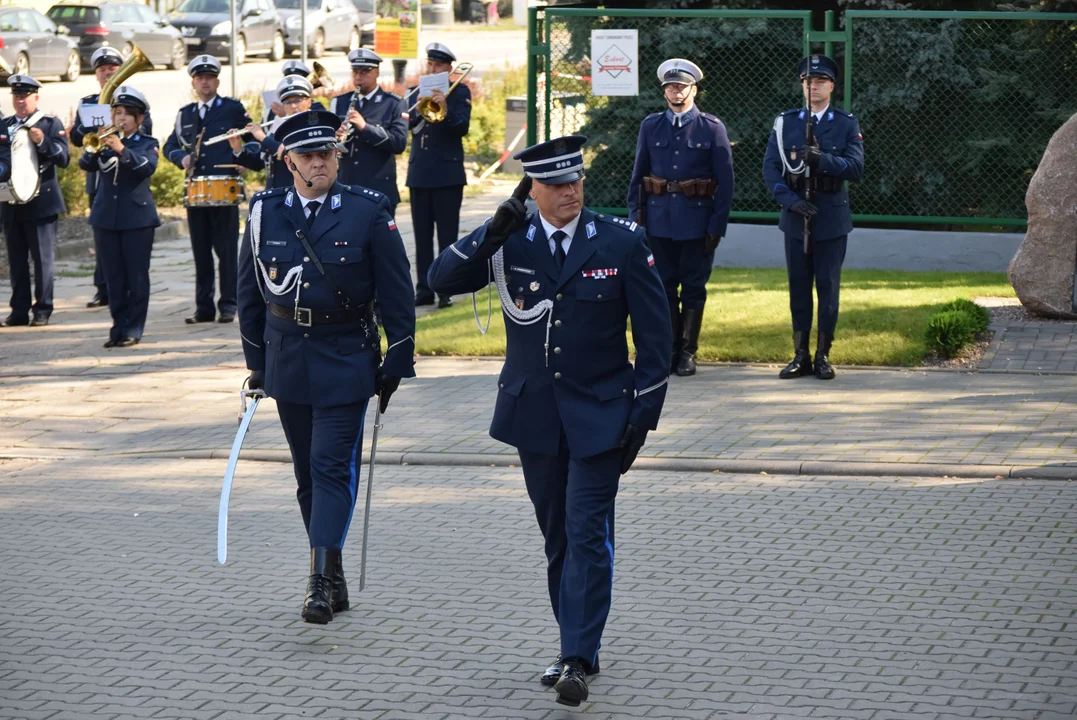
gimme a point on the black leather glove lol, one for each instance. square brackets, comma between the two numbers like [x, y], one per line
[710, 242]
[384, 387]
[257, 380]
[511, 215]
[631, 443]
[804, 208]
[811, 155]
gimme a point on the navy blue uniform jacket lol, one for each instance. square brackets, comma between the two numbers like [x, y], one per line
[586, 384]
[370, 158]
[437, 151]
[226, 114]
[123, 200]
[358, 244]
[78, 133]
[52, 152]
[699, 149]
[5, 152]
[838, 135]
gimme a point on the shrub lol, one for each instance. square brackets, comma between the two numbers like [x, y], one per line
[485, 140]
[73, 184]
[978, 315]
[949, 332]
[166, 184]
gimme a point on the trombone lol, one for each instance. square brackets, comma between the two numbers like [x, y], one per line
[235, 133]
[434, 111]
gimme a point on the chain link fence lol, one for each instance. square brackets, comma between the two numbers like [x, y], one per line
[956, 108]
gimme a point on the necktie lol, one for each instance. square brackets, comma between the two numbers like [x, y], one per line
[362, 103]
[558, 248]
[312, 210]
[201, 112]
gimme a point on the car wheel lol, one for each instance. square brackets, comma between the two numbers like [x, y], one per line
[22, 64]
[179, 55]
[318, 48]
[277, 51]
[74, 67]
[241, 49]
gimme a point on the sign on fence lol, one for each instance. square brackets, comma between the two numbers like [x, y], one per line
[615, 62]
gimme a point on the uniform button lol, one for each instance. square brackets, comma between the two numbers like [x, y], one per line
[624, 391]
[343, 260]
[674, 167]
[520, 289]
[557, 376]
[306, 335]
[306, 259]
[501, 385]
[600, 296]
[557, 351]
[676, 152]
[273, 259]
[557, 323]
[115, 196]
[657, 144]
[474, 244]
[306, 286]
[560, 296]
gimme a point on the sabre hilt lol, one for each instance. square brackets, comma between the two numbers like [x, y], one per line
[244, 395]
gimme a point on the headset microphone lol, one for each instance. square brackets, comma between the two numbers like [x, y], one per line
[308, 182]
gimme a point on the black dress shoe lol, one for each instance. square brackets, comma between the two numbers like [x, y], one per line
[39, 320]
[571, 687]
[99, 300]
[801, 365]
[226, 317]
[421, 300]
[196, 318]
[111, 343]
[340, 587]
[823, 369]
[318, 605]
[13, 321]
[126, 342]
[444, 301]
[553, 673]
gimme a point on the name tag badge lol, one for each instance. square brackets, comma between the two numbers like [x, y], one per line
[517, 268]
[277, 243]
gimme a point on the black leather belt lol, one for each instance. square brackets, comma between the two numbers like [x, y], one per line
[308, 317]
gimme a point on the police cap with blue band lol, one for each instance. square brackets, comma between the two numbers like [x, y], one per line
[817, 66]
[204, 65]
[679, 70]
[309, 131]
[439, 52]
[295, 67]
[22, 84]
[554, 162]
[292, 86]
[363, 58]
[130, 97]
[106, 56]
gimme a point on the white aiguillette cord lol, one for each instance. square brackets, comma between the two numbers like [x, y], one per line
[518, 316]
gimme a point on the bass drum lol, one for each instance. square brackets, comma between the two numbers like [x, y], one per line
[25, 182]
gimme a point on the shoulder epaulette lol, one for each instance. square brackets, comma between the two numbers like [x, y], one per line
[371, 195]
[392, 94]
[620, 222]
[708, 116]
[269, 192]
[846, 113]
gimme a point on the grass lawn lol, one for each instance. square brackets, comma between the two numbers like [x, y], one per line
[883, 317]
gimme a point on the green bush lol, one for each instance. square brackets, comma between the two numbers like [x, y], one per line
[73, 184]
[978, 314]
[166, 184]
[949, 332]
[485, 140]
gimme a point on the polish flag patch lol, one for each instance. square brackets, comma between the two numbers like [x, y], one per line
[392, 224]
[650, 260]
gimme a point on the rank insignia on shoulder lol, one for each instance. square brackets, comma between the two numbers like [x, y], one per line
[336, 201]
[531, 233]
[591, 232]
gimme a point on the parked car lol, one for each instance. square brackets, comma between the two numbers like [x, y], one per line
[368, 16]
[206, 27]
[121, 25]
[31, 44]
[330, 24]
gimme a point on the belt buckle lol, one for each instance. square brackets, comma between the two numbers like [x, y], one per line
[303, 317]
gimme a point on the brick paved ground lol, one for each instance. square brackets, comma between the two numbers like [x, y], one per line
[1049, 347]
[742, 596]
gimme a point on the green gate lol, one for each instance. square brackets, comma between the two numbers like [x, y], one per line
[956, 108]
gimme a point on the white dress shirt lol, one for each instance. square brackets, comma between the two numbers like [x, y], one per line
[569, 229]
[321, 199]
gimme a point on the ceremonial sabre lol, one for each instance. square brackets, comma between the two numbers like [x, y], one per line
[369, 488]
[233, 458]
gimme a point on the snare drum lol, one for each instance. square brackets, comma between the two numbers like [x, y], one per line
[213, 191]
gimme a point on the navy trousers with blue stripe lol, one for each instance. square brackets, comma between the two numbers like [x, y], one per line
[327, 447]
[573, 499]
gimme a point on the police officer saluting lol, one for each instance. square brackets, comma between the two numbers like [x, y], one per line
[682, 188]
[569, 400]
[30, 228]
[105, 62]
[123, 215]
[436, 174]
[294, 95]
[375, 129]
[213, 229]
[788, 167]
[313, 257]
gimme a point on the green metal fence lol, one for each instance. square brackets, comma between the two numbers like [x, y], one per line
[956, 108]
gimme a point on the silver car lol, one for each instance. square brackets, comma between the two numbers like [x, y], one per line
[330, 24]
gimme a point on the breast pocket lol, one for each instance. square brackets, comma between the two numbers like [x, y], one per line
[598, 291]
[277, 260]
[351, 266]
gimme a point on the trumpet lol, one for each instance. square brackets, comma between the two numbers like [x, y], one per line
[234, 133]
[433, 111]
[91, 143]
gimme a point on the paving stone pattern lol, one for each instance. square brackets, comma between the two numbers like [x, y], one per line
[1046, 347]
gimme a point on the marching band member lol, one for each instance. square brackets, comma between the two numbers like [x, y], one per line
[375, 129]
[293, 94]
[290, 68]
[105, 62]
[313, 257]
[213, 229]
[30, 228]
[123, 215]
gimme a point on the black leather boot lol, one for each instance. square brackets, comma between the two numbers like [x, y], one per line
[693, 323]
[801, 365]
[340, 586]
[823, 369]
[318, 606]
[675, 320]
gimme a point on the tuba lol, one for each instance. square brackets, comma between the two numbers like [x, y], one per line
[433, 111]
[320, 78]
[135, 62]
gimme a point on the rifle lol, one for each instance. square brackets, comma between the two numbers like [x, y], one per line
[809, 181]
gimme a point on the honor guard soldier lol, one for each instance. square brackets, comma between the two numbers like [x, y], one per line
[436, 175]
[569, 400]
[293, 93]
[313, 258]
[789, 165]
[123, 215]
[213, 229]
[105, 62]
[375, 129]
[30, 228]
[682, 188]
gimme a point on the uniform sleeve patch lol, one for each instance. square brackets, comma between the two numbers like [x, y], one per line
[650, 260]
[392, 224]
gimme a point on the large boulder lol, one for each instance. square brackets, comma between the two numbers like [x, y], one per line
[1042, 270]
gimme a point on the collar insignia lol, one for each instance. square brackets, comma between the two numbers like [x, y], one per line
[288, 199]
[531, 233]
[336, 201]
[591, 232]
